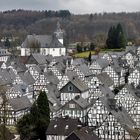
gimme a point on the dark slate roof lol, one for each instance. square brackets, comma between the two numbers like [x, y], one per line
[83, 133]
[21, 103]
[83, 103]
[26, 77]
[54, 103]
[78, 84]
[53, 90]
[71, 74]
[21, 88]
[85, 70]
[78, 61]
[60, 67]
[44, 40]
[102, 62]
[62, 126]
[49, 58]
[105, 79]
[55, 43]
[41, 59]
[15, 62]
[106, 91]
[51, 77]
[5, 77]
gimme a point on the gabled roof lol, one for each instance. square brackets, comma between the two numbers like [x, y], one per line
[51, 77]
[21, 103]
[106, 91]
[83, 133]
[102, 62]
[71, 74]
[44, 40]
[78, 84]
[52, 90]
[5, 77]
[40, 59]
[62, 126]
[83, 103]
[85, 70]
[105, 79]
[27, 78]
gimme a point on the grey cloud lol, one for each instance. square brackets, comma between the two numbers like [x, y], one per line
[75, 6]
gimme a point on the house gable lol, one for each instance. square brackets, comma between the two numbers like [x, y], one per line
[70, 88]
[73, 136]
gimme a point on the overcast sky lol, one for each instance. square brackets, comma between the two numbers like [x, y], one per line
[75, 6]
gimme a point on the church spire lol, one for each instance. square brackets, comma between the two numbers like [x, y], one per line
[59, 33]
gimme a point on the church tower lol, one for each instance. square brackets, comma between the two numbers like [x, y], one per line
[59, 33]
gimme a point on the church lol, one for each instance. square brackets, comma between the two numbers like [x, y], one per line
[44, 44]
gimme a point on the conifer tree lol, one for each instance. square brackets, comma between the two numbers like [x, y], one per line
[33, 125]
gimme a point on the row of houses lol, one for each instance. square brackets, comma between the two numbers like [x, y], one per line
[102, 94]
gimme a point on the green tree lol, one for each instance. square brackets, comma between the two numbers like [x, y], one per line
[33, 125]
[79, 48]
[7, 43]
[116, 37]
[92, 46]
[34, 46]
[89, 57]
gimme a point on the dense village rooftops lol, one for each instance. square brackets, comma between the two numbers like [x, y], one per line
[62, 126]
[21, 103]
[105, 79]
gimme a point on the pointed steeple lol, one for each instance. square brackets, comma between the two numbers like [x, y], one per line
[59, 33]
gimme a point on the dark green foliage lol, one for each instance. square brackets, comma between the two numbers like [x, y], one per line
[116, 38]
[7, 43]
[33, 126]
[34, 46]
[79, 48]
[92, 46]
[5, 134]
[89, 57]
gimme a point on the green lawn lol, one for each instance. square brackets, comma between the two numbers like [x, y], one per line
[83, 54]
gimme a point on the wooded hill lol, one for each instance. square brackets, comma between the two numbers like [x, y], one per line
[77, 27]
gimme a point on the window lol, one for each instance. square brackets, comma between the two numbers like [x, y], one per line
[70, 88]
[71, 105]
